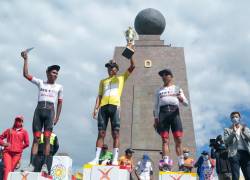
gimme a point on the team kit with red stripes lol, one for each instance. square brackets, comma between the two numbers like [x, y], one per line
[48, 96]
[167, 116]
[167, 110]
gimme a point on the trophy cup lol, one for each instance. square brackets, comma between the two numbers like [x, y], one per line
[130, 35]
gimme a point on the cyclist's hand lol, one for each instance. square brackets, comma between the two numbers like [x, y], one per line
[130, 45]
[55, 121]
[180, 97]
[24, 55]
[156, 123]
[95, 113]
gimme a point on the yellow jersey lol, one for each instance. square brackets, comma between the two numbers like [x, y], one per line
[124, 161]
[111, 89]
[189, 162]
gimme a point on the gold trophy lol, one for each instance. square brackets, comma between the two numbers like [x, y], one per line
[130, 35]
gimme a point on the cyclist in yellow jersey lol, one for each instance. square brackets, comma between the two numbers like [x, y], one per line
[108, 107]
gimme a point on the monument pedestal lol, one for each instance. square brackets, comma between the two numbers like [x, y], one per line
[98, 172]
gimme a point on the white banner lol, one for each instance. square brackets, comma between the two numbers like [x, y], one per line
[61, 168]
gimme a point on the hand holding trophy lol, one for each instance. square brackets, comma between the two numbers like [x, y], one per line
[130, 35]
[24, 53]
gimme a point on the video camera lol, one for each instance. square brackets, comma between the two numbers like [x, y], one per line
[212, 143]
[217, 143]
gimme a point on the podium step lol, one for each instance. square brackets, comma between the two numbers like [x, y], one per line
[27, 176]
[177, 176]
[97, 172]
[61, 168]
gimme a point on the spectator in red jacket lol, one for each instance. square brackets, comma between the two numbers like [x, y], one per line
[14, 140]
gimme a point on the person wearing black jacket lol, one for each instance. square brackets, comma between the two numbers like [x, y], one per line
[220, 153]
[39, 160]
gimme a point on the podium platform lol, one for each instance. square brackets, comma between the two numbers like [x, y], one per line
[27, 176]
[177, 176]
[101, 172]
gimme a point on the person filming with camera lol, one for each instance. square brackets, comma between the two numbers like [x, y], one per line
[237, 140]
[220, 154]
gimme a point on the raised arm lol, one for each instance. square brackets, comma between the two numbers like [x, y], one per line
[25, 66]
[132, 62]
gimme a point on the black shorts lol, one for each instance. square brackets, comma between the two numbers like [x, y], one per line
[107, 112]
[169, 117]
[43, 117]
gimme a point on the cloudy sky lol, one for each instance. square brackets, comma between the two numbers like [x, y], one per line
[80, 35]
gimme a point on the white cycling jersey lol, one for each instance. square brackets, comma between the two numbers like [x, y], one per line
[48, 92]
[168, 96]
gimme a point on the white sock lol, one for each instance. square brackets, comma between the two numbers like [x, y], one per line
[115, 154]
[180, 160]
[98, 153]
[166, 159]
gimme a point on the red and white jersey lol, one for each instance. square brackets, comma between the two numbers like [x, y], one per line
[48, 92]
[168, 96]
